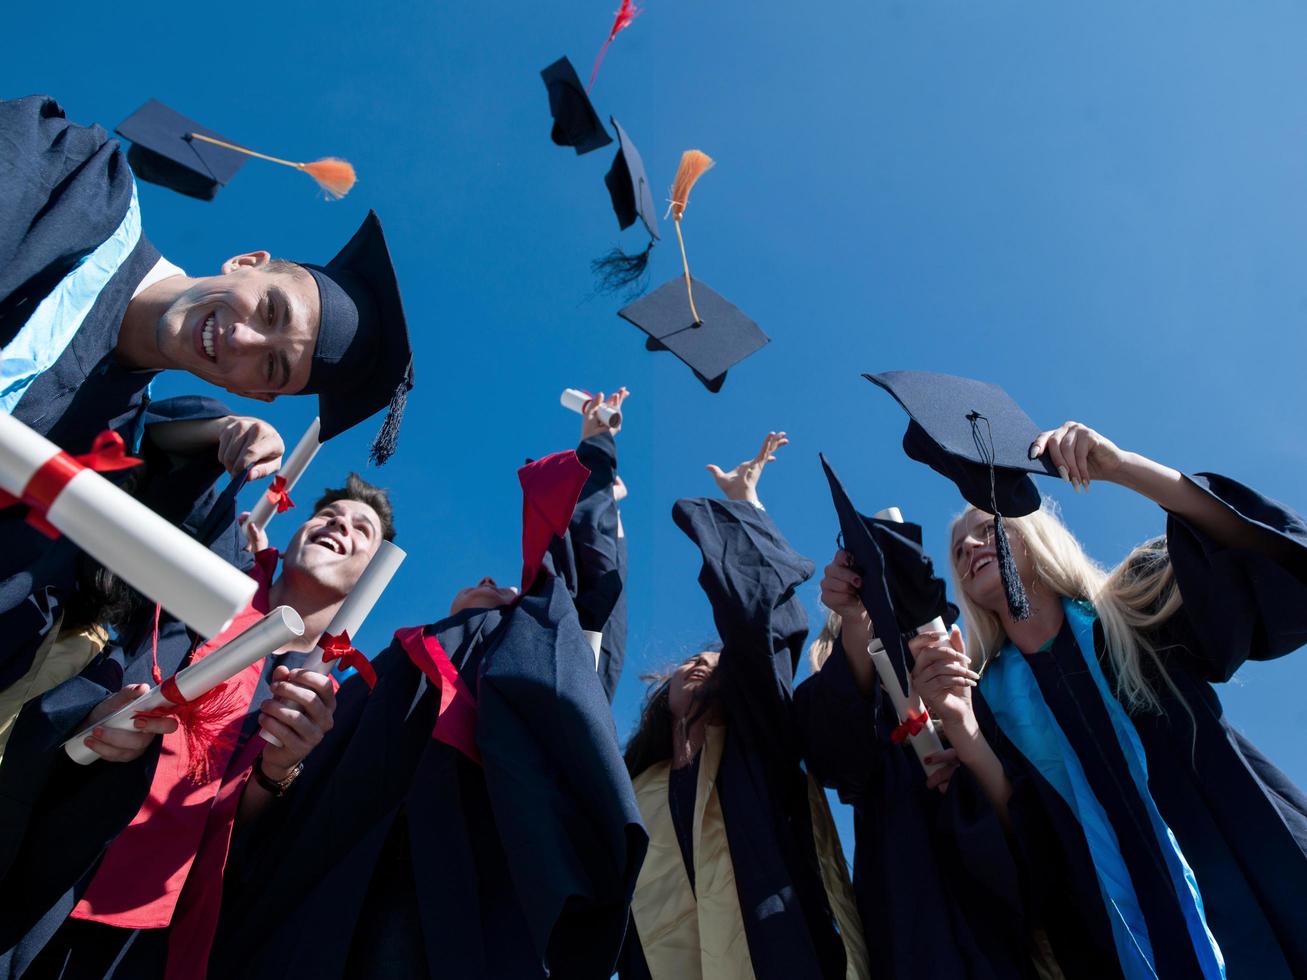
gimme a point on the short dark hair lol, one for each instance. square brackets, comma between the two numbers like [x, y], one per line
[359, 489]
[285, 265]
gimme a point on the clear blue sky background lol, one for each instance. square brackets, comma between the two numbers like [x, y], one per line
[1101, 207]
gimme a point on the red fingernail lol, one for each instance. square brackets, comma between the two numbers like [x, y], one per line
[139, 723]
[87, 742]
[97, 732]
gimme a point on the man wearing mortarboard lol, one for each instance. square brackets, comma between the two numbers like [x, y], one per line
[116, 869]
[90, 312]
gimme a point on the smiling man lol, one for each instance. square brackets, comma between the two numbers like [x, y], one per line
[118, 867]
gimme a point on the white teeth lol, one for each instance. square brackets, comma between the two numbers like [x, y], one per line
[206, 336]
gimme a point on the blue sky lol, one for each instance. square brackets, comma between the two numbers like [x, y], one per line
[1102, 208]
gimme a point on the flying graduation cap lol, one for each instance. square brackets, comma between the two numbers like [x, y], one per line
[363, 361]
[977, 436]
[576, 124]
[899, 584]
[180, 154]
[685, 316]
[632, 198]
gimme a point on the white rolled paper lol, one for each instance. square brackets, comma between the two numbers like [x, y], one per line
[292, 469]
[927, 740]
[358, 604]
[265, 637]
[122, 534]
[596, 640]
[574, 400]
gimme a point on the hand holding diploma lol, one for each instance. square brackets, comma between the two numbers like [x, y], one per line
[277, 497]
[599, 412]
[299, 715]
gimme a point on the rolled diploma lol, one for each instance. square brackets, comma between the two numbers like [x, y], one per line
[927, 740]
[596, 640]
[266, 636]
[574, 399]
[292, 469]
[122, 534]
[354, 610]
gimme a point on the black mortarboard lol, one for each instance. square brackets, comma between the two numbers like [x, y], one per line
[721, 339]
[632, 198]
[977, 436]
[628, 185]
[859, 542]
[162, 152]
[362, 362]
[576, 123]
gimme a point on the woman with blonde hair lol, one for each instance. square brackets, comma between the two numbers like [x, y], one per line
[1152, 839]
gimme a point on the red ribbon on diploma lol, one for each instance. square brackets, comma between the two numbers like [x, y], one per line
[108, 453]
[910, 726]
[339, 647]
[279, 495]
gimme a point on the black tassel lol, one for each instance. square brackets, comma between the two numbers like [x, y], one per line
[384, 445]
[617, 271]
[1017, 603]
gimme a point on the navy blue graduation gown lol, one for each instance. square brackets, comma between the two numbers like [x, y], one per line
[396, 855]
[1240, 823]
[932, 904]
[750, 574]
[64, 190]
[57, 817]
[592, 560]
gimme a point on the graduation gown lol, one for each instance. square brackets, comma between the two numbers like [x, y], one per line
[399, 854]
[1239, 823]
[72, 253]
[932, 903]
[750, 574]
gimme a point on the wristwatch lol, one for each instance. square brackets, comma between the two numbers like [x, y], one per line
[277, 787]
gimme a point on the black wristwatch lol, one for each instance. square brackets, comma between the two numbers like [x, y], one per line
[277, 787]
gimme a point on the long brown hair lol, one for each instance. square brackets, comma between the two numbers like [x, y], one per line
[651, 742]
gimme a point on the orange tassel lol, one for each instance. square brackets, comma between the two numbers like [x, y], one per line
[694, 164]
[334, 176]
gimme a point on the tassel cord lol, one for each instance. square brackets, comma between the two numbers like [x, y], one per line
[253, 153]
[685, 264]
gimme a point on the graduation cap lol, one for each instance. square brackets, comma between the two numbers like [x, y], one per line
[178, 153]
[632, 199]
[977, 436]
[718, 338]
[362, 362]
[576, 123]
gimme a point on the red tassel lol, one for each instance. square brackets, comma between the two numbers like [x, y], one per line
[626, 13]
[203, 723]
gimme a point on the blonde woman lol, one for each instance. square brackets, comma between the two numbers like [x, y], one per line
[1152, 838]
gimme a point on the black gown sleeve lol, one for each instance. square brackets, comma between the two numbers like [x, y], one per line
[64, 188]
[837, 729]
[750, 574]
[600, 557]
[1240, 604]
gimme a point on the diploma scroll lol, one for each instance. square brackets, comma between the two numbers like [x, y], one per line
[122, 534]
[354, 610]
[358, 604]
[575, 400]
[906, 704]
[265, 637]
[291, 470]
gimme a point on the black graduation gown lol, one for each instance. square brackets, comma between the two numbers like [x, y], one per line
[395, 855]
[57, 817]
[750, 574]
[932, 904]
[1240, 823]
[591, 558]
[64, 189]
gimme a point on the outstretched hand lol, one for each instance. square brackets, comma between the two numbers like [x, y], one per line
[592, 424]
[1079, 453]
[741, 483]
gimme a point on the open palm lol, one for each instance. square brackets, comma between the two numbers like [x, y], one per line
[741, 483]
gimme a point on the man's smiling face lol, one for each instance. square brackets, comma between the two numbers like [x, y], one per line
[250, 330]
[334, 546]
